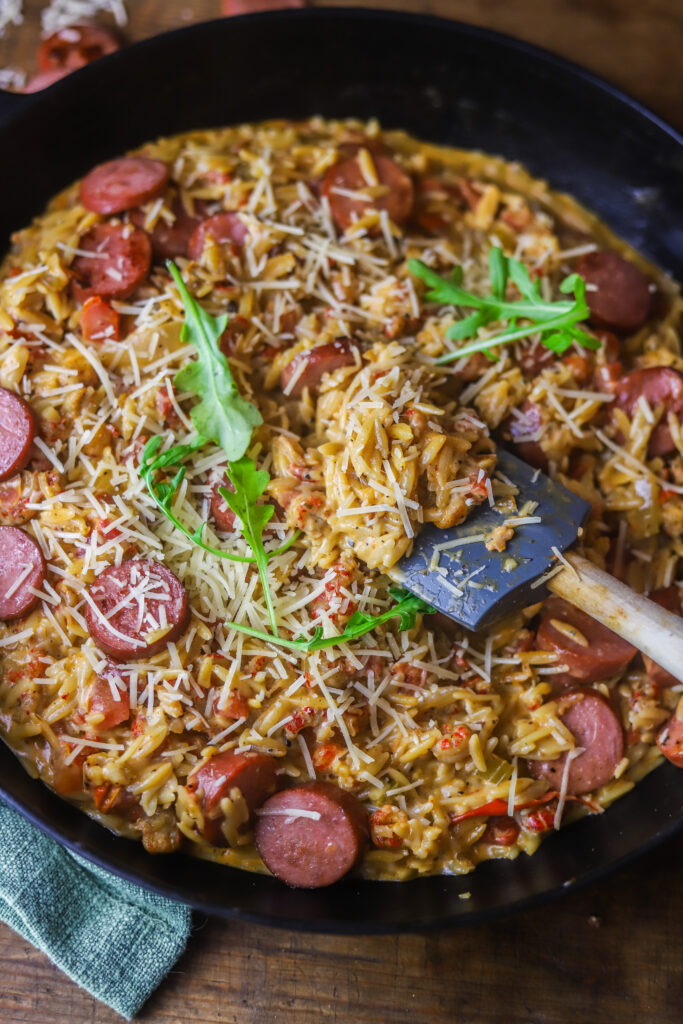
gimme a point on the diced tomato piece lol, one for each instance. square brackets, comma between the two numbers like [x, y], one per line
[334, 600]
[300, 719]
[100, 794]
[580, 366]
[325, 754]
[501, 830]
[665, 494]
[106, 530]
[99, 322]
[165, 407]
[102, 701]
[236, 707]
[478, 488]
[109, 798]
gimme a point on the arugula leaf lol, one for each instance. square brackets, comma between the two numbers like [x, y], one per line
[498, 273]
[250, 483]
[164, 492]
[223, 415]
[406, 608]
[555, 322]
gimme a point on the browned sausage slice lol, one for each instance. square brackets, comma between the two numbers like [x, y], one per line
[110, 710]
[254, 774]
[171, 240]
[44, 79]
[74, 46]
[221, 513]
[121, 184]
[596, 728]
[22, 570]
[120, 262]
[535, 357]
[659, 385]
[590, 650]
[347, 176]
[669, 598]
[17, 430]
[222, 228]
[307, 369]
[310, 836]
[619, 298]
[670, 738]
[133, 610]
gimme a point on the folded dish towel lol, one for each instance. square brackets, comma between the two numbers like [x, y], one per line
[114, 939]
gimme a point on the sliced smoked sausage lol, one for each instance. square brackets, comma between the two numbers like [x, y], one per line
[43, 80]
[122, 184]
[312, 835]
[660, 386]
[596, 728]
[308, 368]
[670, 738]
[103, 702]
[74, 46]
[22, 570]
[669, 598]
[222, 228]
[120, 262]
[17, 430]
[254, 774]
[348, 176]
[171, 239]
[535, 357]
[221, 513]
[134, 609]
[619, 298]
[590, 650]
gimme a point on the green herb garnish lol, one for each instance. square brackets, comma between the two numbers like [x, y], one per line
[222, 415]
[250, 483]
[406, 608]
[554, 322]
[225, 418]
[164, 493]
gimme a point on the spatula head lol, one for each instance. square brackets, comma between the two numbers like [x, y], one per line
[475, 586]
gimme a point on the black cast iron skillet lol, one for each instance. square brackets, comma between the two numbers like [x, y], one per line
[445, 82]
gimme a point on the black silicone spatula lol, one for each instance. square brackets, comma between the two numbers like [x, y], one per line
[457, 575]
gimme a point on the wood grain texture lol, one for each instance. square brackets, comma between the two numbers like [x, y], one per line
[609, 953]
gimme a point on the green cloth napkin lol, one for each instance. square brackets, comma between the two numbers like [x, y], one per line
[111, 937]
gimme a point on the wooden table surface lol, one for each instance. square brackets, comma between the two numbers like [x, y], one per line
[610, 953]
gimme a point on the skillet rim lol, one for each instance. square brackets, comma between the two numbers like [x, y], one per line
[15, 103]
[12, 106]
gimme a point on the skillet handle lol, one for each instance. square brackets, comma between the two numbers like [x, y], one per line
[653, 630]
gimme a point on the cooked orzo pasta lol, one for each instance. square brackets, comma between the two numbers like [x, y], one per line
[135, 680]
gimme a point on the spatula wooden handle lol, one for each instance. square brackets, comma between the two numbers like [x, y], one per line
[653, 630]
